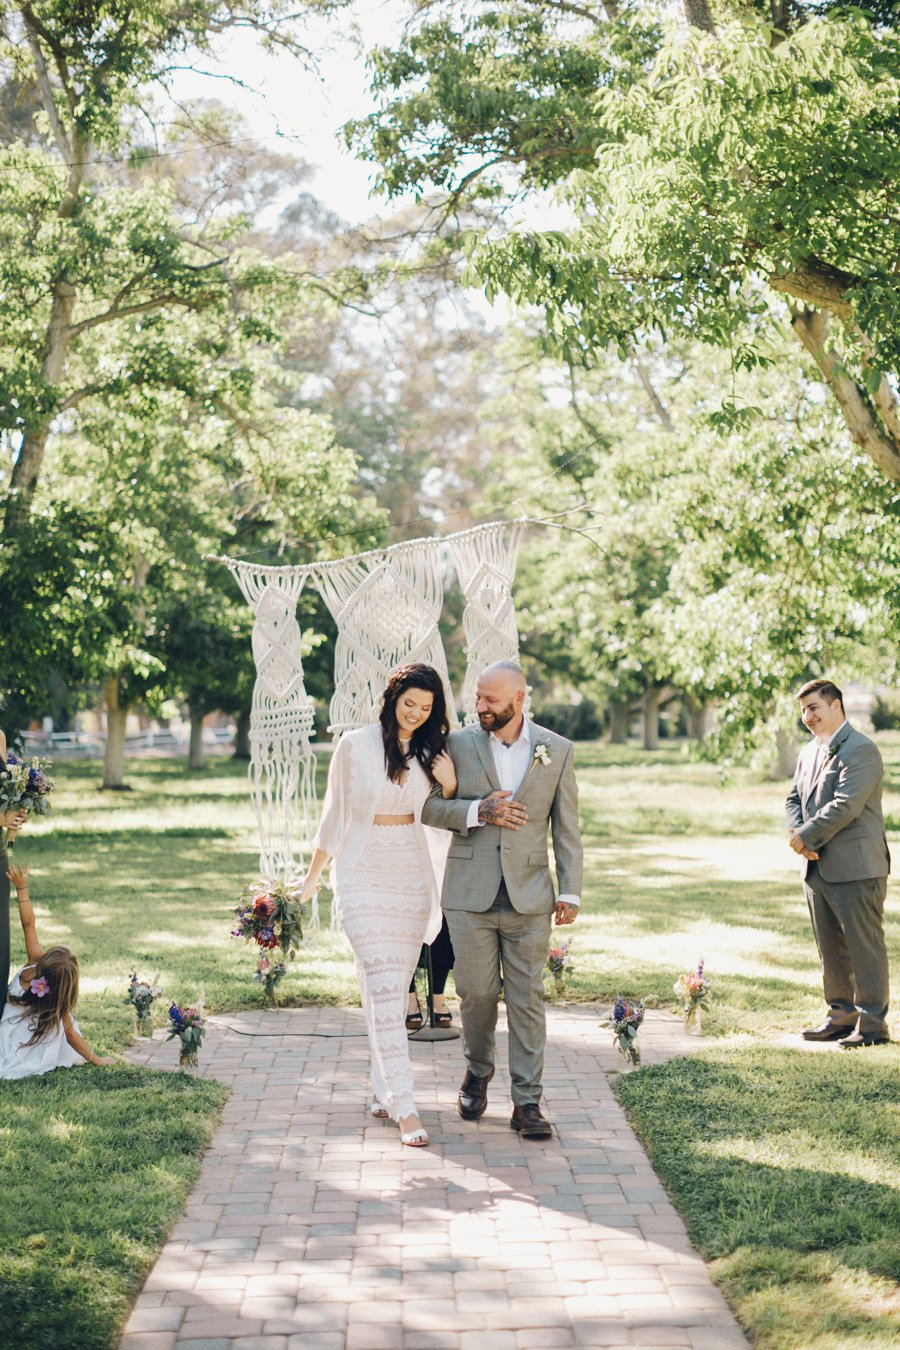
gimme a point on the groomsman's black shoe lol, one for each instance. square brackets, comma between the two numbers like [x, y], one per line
[472, 1100]
[530, 1123]
[828, 1031]
[856, 1039]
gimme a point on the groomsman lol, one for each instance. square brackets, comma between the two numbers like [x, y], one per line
[836, 825]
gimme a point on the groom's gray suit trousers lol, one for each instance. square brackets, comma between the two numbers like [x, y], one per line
[500, 941]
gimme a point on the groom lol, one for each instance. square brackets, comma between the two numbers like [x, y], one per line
[514, 780]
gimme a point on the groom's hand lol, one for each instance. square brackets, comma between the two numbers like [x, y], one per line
[564, 913]
[500, 809]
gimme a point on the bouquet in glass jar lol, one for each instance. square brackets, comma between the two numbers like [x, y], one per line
[188, 1025]
[693, 988]
[142, 996]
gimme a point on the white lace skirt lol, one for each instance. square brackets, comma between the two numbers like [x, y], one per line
[384, 908]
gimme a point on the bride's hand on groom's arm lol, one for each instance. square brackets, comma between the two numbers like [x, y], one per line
[444, 774]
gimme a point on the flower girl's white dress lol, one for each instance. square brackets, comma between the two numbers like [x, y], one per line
[19, 1061]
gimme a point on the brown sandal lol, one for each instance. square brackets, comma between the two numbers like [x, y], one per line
[414, 1020]
[443, 1018]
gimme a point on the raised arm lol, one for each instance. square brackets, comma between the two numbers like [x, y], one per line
[19, 878]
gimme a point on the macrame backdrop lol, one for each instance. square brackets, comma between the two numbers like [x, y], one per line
[387, 605]
[485, 559]
[282, 764]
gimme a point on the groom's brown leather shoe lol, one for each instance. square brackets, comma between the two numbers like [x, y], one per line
[530, 1123]
[472, 1100]
[857, 1039]
[826, 1032]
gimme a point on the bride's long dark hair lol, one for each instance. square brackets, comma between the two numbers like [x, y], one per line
[430, 738]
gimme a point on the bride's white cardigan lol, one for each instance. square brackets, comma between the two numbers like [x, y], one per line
[356, 773]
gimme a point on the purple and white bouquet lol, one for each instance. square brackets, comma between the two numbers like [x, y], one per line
[188, 1025]
[25, 787]
[625, 1020]
[142, 996]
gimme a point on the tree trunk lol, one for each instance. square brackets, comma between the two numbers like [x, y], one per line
[870, 434]
[618, 723]
[242, 736]
[785, 755]
[699, 15]
[116, 719]
[651, 702]
[195, 753]
[696, 719]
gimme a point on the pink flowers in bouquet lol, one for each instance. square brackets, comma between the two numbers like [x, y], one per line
[558, 964]
[693, 988]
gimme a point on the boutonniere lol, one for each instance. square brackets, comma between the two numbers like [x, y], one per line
[832, 750]
[541, 756]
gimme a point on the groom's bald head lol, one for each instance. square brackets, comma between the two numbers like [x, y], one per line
[499, 695]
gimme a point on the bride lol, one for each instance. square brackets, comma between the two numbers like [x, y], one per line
[386, 890]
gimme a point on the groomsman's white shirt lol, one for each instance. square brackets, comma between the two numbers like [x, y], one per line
[512, 761]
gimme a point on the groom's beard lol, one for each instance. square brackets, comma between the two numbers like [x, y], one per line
[497, 720]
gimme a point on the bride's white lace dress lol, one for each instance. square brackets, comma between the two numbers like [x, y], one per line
[385, 907]
[386, 893]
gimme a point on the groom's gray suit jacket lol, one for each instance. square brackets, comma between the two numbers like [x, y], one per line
[837, 811]
[481, 858]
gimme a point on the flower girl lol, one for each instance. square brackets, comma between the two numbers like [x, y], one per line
[37, 1030]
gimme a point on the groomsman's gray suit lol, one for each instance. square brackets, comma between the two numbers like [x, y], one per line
[835, 807]
[498, 896]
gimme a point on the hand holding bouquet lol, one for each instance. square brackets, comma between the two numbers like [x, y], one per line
[24, 789]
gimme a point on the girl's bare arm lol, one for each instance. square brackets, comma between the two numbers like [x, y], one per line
[80, 1045]
[19, 878]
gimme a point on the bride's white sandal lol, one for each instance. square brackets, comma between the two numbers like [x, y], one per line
[378, 1111]
[417, 1138]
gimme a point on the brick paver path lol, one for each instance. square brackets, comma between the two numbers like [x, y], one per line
[312, 1228]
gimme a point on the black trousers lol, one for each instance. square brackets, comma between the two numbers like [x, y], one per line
[441, 960]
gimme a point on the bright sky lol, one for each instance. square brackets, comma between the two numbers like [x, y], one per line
[282, 97]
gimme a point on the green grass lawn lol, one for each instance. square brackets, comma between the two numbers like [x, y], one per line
[678, 866]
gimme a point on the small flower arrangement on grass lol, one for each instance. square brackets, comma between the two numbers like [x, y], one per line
[142, 996]
[269, 974]
[625, 1020]
[270, 916]
[558, 966]
[25, 786]
[693, 988]
[188, 1025]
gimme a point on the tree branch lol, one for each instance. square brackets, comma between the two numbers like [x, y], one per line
[43, 81]
[142, 307]
[818, 284]
[656, 402]
[811, 327]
